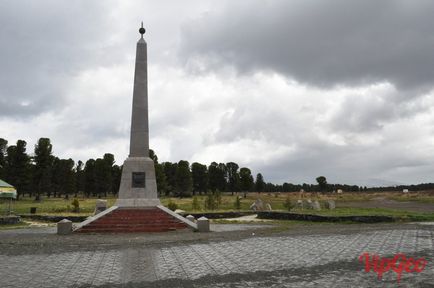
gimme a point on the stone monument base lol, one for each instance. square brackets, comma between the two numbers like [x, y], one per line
[137, 203]
[138, 185]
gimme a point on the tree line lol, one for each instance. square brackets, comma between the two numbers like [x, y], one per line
[42, 173]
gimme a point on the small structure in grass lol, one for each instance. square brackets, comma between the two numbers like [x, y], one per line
[316, 206]
[300, 204]
[8, 192]
[258, 205]
[330, 204]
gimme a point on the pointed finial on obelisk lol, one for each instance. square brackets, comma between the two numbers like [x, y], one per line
[142, 30]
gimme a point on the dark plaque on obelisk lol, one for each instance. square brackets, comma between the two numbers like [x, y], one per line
[139, 180]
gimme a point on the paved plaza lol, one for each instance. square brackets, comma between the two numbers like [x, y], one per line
[247, 256]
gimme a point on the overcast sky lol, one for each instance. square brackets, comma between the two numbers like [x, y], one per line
[291, 89]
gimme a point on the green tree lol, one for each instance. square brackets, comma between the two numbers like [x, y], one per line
[17, 164]
[67, 173]
[195, 204]
[109, 162]
[89, 177]
[200, 178]
[153, 156]
[43, 166]
[161, 179]
[217, 177]
[259, 184]
[160, 175]
[211, 202]
[170, 172]
[246, 179]
[103, 177]
[184, 181]
[322, 183]
[63, 179]
[68, 183]
[56, 179]
[233, 177]
[3, 149]
[117, 176]
[79, 178]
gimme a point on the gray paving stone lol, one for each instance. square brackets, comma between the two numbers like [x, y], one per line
[283, 261]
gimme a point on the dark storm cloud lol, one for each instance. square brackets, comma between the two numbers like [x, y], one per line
[44, 45]
[322, 43]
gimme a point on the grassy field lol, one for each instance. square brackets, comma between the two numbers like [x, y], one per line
[60, 206]
[55, 206]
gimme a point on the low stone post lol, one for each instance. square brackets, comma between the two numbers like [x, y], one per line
[100, 205]
[191, 218]
[203, 224]
[64, 227]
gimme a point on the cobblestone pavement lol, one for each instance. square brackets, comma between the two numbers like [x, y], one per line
[329, 260]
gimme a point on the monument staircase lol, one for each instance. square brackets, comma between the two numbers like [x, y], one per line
[134, 220]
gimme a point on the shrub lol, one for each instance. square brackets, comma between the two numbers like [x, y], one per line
[288, 204]
[195, 204]
[218, 197]
[172, 205]
[237, 203]
[76, 205]
[211, 202]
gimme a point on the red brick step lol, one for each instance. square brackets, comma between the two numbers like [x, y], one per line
[133, 220]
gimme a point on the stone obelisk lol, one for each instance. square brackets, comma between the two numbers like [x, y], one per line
[138, 208]
[138, 184]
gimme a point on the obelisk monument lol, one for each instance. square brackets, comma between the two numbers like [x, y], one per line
[138, 184]
[138, 208]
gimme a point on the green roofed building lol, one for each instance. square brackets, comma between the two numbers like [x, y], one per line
[7, 190]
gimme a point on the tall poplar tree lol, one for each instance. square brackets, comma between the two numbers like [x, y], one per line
[3, 149]
[184, 181]
[43, 166]
[200, 178]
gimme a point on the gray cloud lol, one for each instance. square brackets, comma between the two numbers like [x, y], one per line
[67, 71]
[48, 43]
[367, 113]
[321, 43]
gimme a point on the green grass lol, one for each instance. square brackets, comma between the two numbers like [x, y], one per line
[54, 206]
[59, 206]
